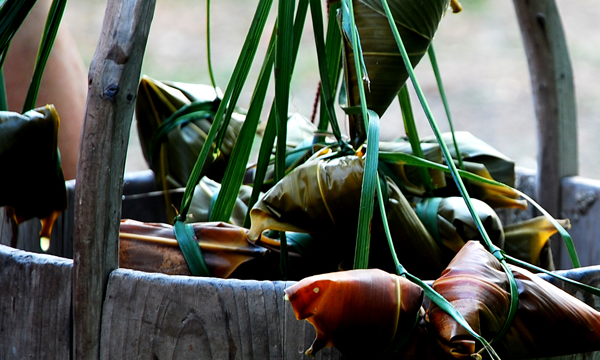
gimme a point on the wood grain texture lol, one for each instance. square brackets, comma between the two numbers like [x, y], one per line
[554, 99]
[154, 316]
[113, 79]
[35, 305]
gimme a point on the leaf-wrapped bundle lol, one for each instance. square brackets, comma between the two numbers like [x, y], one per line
[323, 196]
[451, 223]
[417, 22]
[152, 247]
[171, 144]
[360, 312]
[548, 321]
[33, 182]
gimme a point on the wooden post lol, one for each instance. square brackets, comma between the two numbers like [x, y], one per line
[554, 100]
[113, 80]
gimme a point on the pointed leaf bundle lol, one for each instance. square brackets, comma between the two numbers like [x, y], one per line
[417, 22]
[548, 322]
[173, 121]
[360, 312]
[322, 196]
[33, 182]
[152, 247]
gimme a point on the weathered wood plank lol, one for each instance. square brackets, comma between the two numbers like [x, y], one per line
[113, 80]
[554, 99]
[149, 316]
[35, 305]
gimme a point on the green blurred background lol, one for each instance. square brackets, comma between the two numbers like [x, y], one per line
[479, 50]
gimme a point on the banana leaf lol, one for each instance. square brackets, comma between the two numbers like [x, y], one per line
[360, 312]
[322, 196]
[451, 223]
[33, 183]
[548, 321]
[528, 240]
[417, 21]
[171, 144]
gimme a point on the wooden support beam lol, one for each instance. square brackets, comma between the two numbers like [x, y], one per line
[113, 80]
[554, 100]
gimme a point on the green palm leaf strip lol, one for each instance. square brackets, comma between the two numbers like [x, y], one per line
[208, 47]
[264, 157]
[438, 78]
[3, 100]
[454, 172]
[228, 102]
[413, 135]
[48, 36]
[328, 83]
[333, 51]
[283, 69]
[268, 140]
[12, 15]
[189, 247]
[238, 77]
[236, 168]
[433, 295]
[365, 215]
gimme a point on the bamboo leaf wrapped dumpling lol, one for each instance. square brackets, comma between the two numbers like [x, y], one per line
[417, 22]
[360, 312]
[32, 181]
[323, 196]
[171, 149]
[548, 321]
[450, 222]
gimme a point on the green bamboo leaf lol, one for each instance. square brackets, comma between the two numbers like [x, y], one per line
[283, 70]
[333, 51]
[188, 243]
[236, 169]
[264, 155]
[326, 88]
[3, 100]
[12, 15]
[365, 215]
[438, 78]
[48, 36]
[413, 135]
[238, 77]
[208, 47]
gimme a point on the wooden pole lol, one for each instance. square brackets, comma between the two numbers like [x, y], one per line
[113, 80]
[554, 101]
